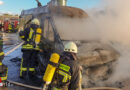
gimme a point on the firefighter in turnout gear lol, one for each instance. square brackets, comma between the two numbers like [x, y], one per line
[3, 68]
[30, 48]
[10, 27]
[68, 74]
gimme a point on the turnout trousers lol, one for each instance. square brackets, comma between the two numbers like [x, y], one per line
[28, 62]
[3, 68]
[3, 72]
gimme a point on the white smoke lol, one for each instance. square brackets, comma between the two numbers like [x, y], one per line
[112, 19]
[122, 69]
[76, 29]
[109, 22]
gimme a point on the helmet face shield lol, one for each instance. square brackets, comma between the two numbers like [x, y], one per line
[71, 47]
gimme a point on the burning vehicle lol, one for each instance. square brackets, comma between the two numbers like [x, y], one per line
[97, 59]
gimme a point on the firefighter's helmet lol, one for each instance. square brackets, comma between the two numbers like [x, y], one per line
[71, 47]
[35, 21]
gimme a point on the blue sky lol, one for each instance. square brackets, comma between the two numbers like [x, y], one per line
[15, 6]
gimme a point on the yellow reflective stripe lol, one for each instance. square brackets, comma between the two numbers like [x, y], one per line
[27, 46]
[21, 67]
[22, 36]
[37, 48]
[27, 39]
[66, 76]
[31, 33]
[24, 69]
[10, 27]
[0, 63]
[56, 88]
[2, 53]
[5, 78]
[32, 69]
[64, 67]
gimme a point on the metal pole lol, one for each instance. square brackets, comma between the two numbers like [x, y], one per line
[38, 3]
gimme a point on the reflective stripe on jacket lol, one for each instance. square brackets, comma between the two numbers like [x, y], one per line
[29, 37]
[5, 77]
[10, 27]
[1, 53]
[67, 76]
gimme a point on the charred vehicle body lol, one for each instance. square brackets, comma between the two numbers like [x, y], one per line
[60, 24]
[51, 40]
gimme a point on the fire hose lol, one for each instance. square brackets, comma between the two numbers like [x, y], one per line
[24, 85]
[13, 49]
[11, 46]
[46, 79]
[17, 83]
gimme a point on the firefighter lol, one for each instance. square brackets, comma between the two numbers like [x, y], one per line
[30, 48]
[10, 27]
[16, 26]
[68, 75]
[6, 25]
[3, 68]
[1, 26]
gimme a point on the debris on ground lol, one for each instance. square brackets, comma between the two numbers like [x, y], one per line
[98, 61]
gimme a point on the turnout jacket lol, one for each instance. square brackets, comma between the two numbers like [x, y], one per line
[1, 49]
[68, 76]
[29, 36]
[3, 68]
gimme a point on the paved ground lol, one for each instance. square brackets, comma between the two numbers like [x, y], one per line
[10, 41]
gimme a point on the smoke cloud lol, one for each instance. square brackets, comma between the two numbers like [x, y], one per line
[76, 29]
[113, 20]
[122, 69]
[114, 24]
[109, 22]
